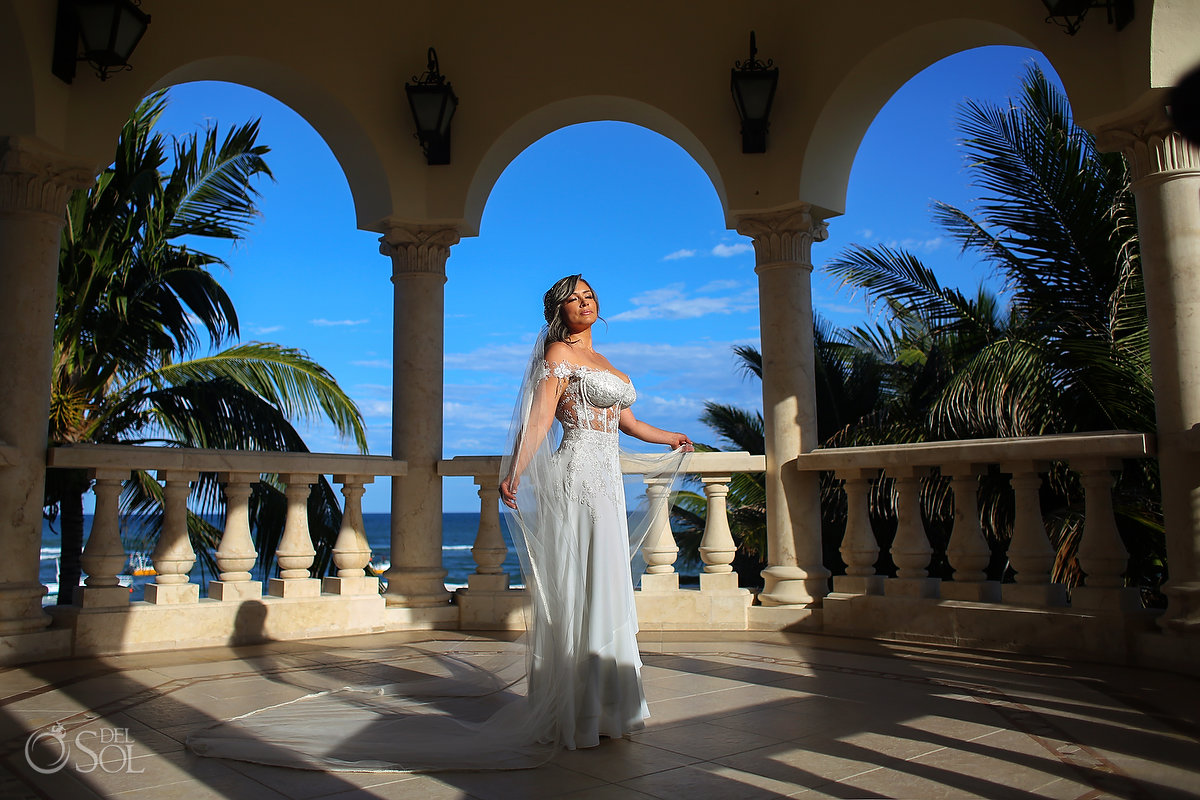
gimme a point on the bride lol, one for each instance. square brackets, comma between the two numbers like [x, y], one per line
[575, 538]
[585, 668]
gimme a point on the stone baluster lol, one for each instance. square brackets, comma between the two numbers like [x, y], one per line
[351, 552]
[236, 554]
[173, 556]
[489, 550]
[1102, 555]
[660, 550]
[104, 555]
[295, 552]
[1029, 551]
[910, 549]
[717, 547]
[968, 550]
[859, 549]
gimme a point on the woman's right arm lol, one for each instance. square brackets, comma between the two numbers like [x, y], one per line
[541, 416]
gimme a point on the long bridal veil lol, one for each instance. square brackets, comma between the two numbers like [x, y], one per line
[433, 707]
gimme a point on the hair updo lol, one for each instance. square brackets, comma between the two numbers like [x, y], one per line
[552, 305]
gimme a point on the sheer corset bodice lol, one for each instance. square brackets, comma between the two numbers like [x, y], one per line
[590, 411]
[592, 399]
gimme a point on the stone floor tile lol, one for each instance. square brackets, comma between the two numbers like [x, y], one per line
[703, 740]
[548, 780]
[420, 787]
[305, 784]
[708, 781]
[620, 759]
[800, 765]
[609, 791]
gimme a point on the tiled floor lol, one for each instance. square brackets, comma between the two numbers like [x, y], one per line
[733, 716]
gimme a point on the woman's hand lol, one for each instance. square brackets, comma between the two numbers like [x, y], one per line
[677, 440]
[508, 491]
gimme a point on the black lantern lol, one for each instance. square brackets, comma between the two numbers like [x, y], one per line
[753, 85]
[433, 103]
[109, 29]
[1069, 14]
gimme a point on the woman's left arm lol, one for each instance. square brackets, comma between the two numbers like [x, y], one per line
[648, 433]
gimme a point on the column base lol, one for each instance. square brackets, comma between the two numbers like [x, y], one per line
[792, 586]
[971, 591]
[21, 608]
[234, 590]
[416, 587]
[859, 584]
[294, 587]
[172, 594]
[925, 588]
[102, 596]
[660, 582]
[480, 610]
[1183, 608]
[359, 584]
[1034, 595]
[1106, 598]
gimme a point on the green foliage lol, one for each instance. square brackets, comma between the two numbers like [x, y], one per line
[135, 305]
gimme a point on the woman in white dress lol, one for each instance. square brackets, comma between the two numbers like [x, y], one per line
[572, 526]
[572, 532]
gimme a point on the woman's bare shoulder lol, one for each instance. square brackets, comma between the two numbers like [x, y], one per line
[559, 352]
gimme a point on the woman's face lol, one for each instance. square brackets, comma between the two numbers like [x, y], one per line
[579, 310]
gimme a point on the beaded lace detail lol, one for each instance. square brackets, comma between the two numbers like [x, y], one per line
[590, 412]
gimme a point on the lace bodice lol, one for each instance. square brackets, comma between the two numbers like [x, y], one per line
[592, 398]
[590, 412]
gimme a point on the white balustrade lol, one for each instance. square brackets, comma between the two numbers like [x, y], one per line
[860, 549]
[236, 554]
[295, 552]
[717, 547]
[1102, 555]
[1029, 550]
[659, 549]
[351, 551]
[173, 556]
[104, 555]
[968, 550]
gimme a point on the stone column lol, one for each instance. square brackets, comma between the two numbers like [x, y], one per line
[35, 182]
[783, 260]
[1165, 169]
[418, 255]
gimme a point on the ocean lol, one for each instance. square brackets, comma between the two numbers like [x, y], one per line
[458, 536]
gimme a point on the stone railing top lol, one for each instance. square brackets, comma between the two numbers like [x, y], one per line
[718, 463]
[119, 456]
[1102, 444]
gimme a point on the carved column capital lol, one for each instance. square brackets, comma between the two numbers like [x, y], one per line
[36, 179]
[418, 249]
[783, 237]
[1151, 144]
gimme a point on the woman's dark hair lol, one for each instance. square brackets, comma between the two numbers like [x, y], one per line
[552, 302]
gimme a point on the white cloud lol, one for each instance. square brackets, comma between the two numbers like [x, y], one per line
[263, 330]
[381, 363]
[719, 286]
[727, 250]
[673, 302]
[918, 245]
[867, 233]
[679, 254]
[328, 323]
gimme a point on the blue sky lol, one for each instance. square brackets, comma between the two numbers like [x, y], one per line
[621, 204]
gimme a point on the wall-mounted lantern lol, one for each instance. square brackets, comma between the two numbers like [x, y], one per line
[753, 84]
[433, 102]
[1069, 14]
[108, 29]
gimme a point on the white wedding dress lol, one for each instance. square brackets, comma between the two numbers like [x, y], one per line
[486, 710]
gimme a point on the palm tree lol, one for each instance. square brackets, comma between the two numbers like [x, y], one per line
[130, 299]
[1071, 351]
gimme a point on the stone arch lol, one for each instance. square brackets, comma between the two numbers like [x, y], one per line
[855, 102]
[549, 118]
[351, 146]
